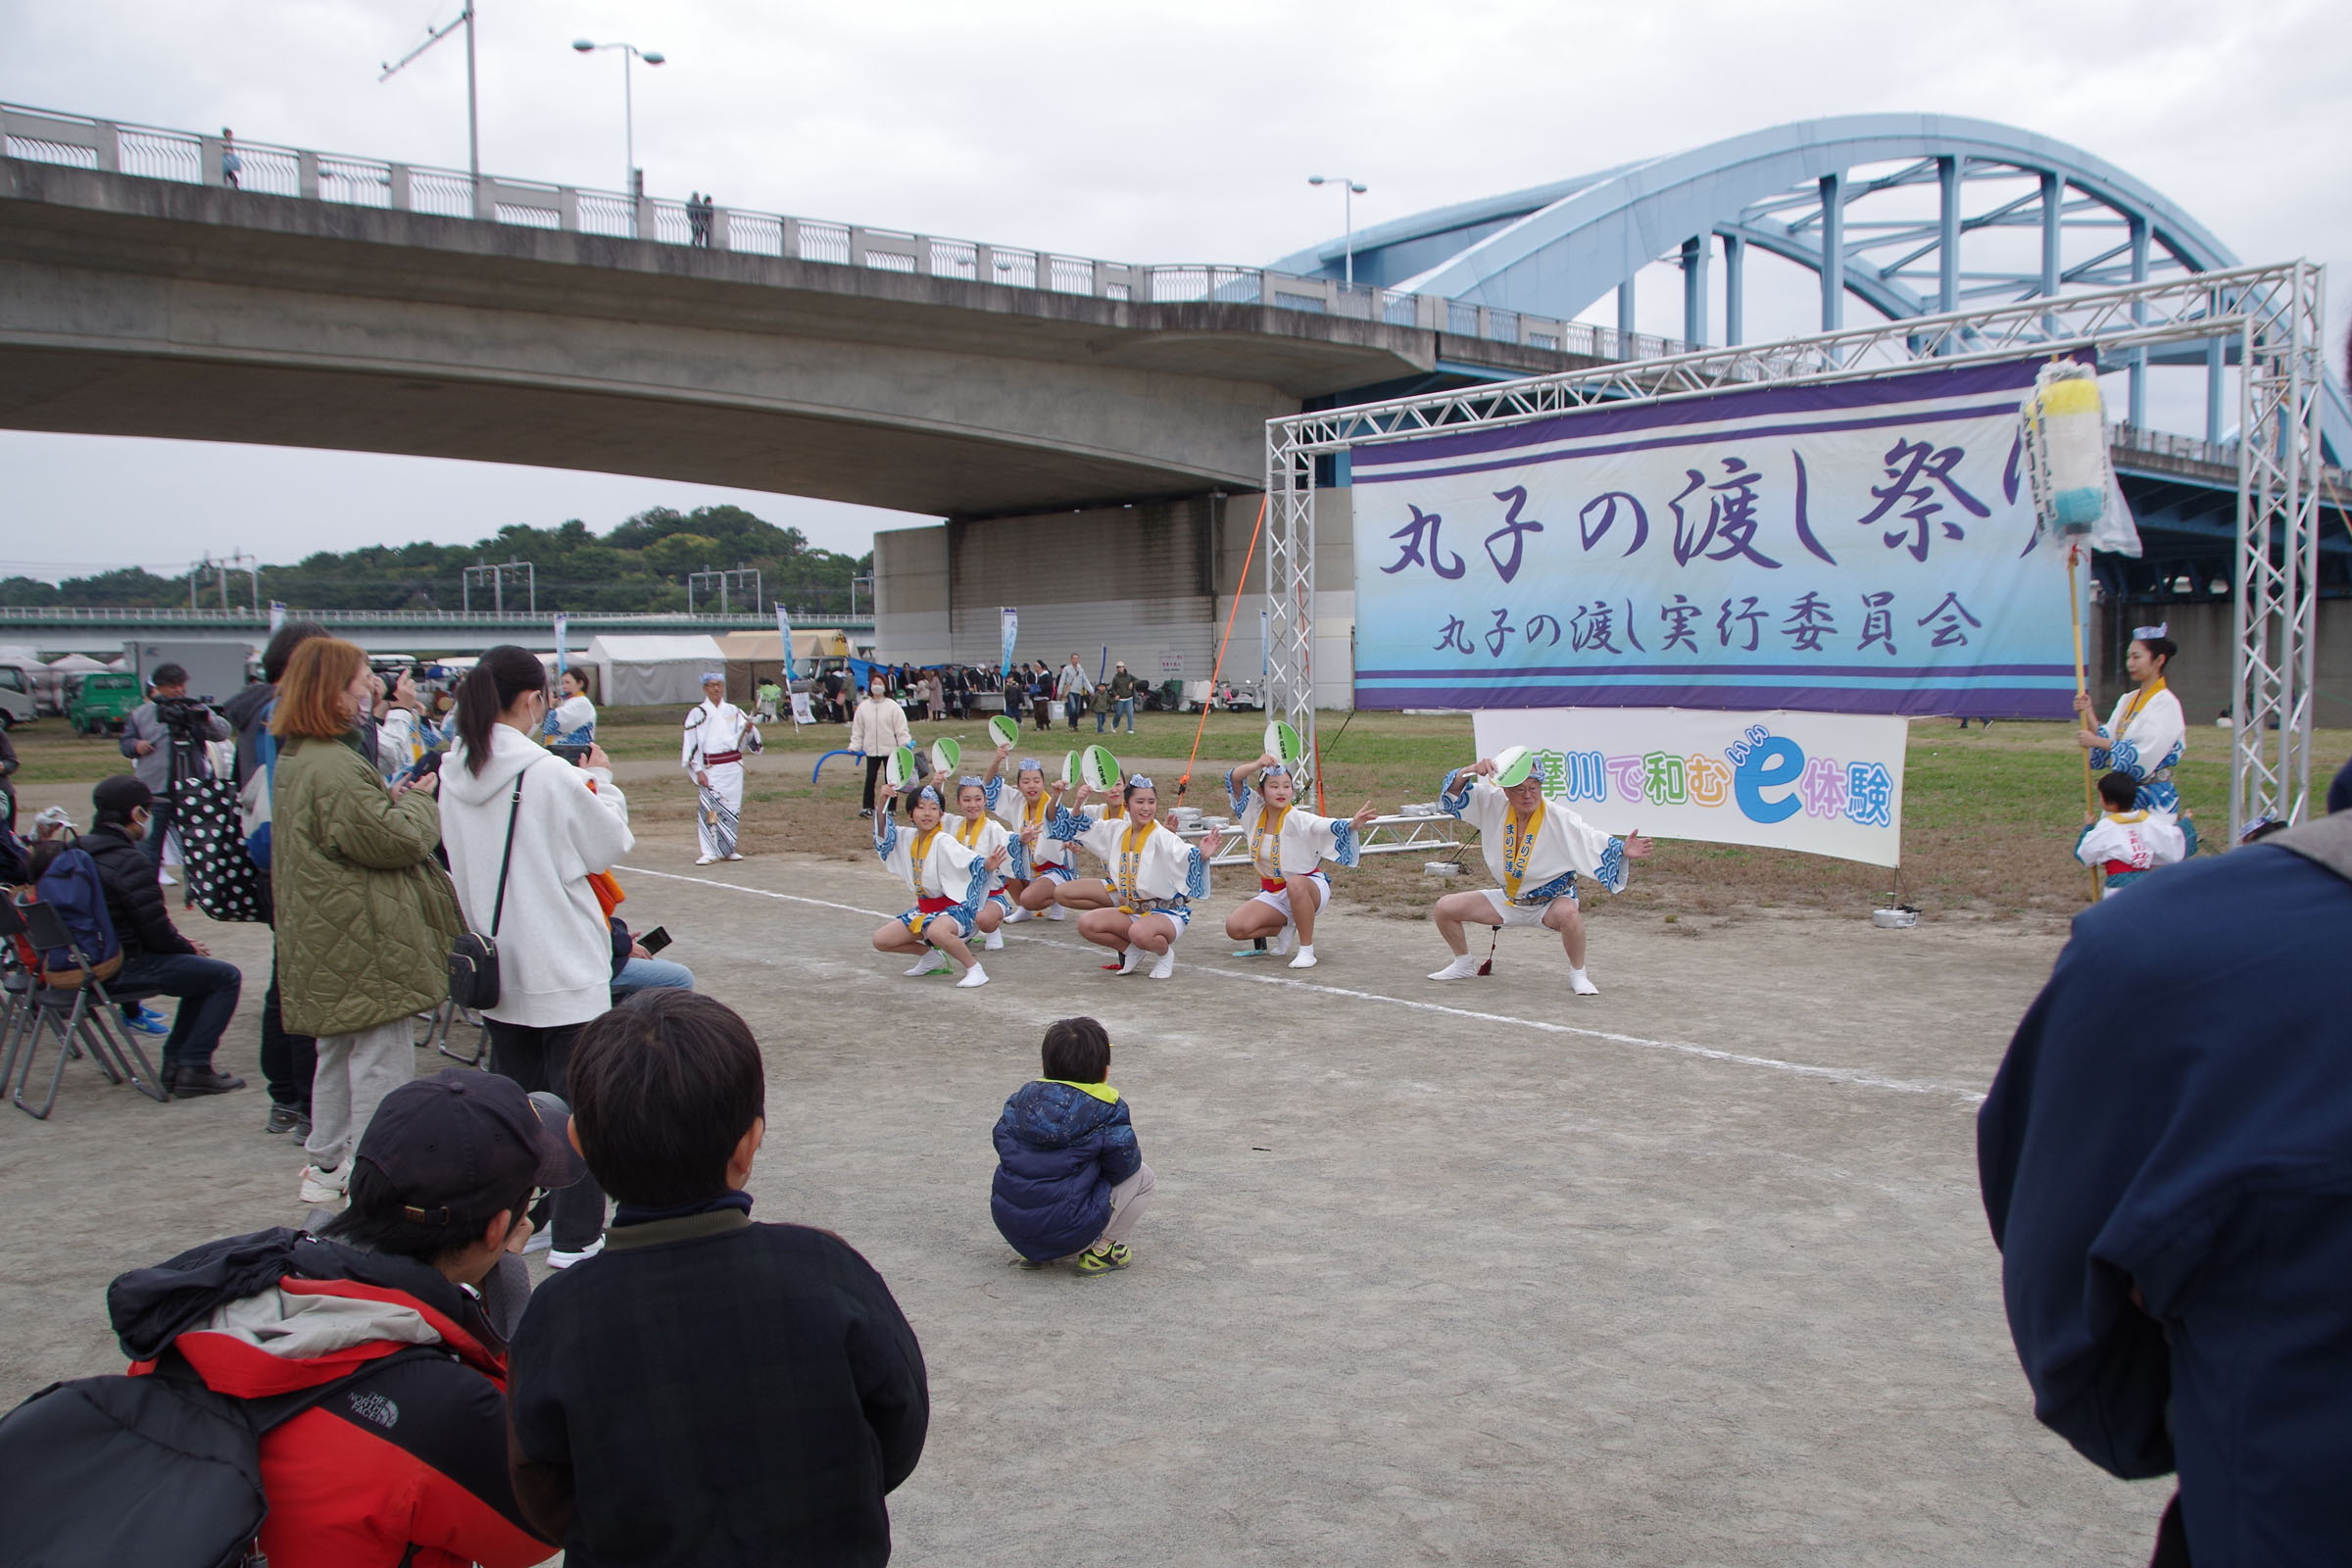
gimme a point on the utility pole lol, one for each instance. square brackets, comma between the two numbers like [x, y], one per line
[473, 117]
[496, 577]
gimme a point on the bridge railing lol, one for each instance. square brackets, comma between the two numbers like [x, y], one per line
[584, 621]
[44, 135]
[2124, 439]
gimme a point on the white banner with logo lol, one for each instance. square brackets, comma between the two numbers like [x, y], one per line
[1823, 783]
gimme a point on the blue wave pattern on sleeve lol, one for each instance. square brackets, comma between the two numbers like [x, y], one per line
[967, 913]
[886, 836]
[1457, 802]
[1613, 873]
[1068, 825]
[1195, 873]
[1236, 794]
[1344, 848]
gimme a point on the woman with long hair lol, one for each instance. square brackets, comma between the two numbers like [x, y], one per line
[518, 815]
[1155, 875]
[365, 912]
[2147, 733]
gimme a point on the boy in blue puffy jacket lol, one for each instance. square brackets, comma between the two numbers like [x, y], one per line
[1070, 1181]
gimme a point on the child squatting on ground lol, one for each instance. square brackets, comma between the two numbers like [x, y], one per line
[1071, 1180]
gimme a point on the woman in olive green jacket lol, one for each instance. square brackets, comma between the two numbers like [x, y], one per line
[365, 915]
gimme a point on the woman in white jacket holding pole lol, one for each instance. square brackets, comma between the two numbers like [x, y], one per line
[555, 948]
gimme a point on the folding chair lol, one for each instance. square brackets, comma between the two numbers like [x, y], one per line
[17, 964]
[436, 1028]
[83, 1014]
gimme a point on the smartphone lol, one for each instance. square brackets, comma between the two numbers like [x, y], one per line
[656, 940]
[576, 756]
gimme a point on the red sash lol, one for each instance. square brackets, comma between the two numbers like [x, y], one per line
[2119, 867]
[1272, 884]
[939, 905]
[716, 758]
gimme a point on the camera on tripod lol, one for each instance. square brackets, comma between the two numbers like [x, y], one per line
[184, 716]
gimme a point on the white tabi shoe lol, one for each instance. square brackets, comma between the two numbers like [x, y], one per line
[1058, 912]
[1280, 945]
[1461, 968]
[1306, 959]
[1134, 957]
[935, 963]
[1020, 914]
[995, 943]
[974, 976]
[733, 856]
[708, 860]
[1166, 964]
[1582, 983]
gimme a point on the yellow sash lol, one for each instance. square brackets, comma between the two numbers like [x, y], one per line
[1264, 832]
[919, 857]
[1518, 845]
[2139, 700]
[1131, 861]
[968, 830]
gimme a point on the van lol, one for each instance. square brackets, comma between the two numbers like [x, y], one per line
[102, 702]
[18, 705]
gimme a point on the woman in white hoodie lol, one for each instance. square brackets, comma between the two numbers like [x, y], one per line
[555, 946]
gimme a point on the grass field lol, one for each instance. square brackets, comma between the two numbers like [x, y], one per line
[1990, 814]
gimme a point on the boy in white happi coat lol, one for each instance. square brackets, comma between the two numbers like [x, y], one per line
[949, 882]
[2127, 841]
[1288, 846]
[1535, 849]
[717, 734]
[1039, 869]
[1155, 875]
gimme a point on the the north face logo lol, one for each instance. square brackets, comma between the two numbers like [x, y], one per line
[376, 1408]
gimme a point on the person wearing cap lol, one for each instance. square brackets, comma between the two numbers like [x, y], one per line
[404, 1463]
[156, 957]
[950, 879]
[1535, 849]
[2147, 734]
[1288, 846]
[717, 734]
[1122, 700]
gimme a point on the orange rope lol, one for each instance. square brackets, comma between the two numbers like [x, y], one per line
[1218, 668]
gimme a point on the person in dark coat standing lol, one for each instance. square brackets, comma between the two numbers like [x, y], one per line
[2166, 1157]
[1071, 1180]
[154, 956]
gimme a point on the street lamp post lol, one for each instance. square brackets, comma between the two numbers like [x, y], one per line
[473, 115]
[629, 52]
[1349, 190]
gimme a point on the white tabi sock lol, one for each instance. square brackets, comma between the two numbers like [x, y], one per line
[1307, 956]
[1018, 916]
[1461, 968]
[974, 976]
[995, 943]
[1135, 955]
[1581, 983]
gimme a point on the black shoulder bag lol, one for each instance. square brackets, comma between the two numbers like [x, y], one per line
[473, 961]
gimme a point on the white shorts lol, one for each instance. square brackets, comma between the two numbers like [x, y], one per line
[1282, 901]
[1519, 915]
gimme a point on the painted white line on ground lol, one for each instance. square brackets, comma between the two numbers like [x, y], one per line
[1842, 1075]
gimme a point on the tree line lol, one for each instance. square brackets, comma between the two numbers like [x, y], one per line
[641, 565]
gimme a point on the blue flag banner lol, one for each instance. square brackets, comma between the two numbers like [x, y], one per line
[1863, 546]
[784, 630]
[563, 635]
[1013, 630]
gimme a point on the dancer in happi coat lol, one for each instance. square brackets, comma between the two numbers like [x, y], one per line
[2147, 734]
[717, 734]
[1534, 848]
[571, 721]
[1154, 876]
[1083, 893]
[1288, 846]
[948, 880]
[1037, 868]
[986, 837]
[2126, 841]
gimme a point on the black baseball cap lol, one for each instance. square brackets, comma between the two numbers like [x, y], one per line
[443, 1139]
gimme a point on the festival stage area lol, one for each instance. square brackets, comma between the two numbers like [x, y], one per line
[1692, 1272]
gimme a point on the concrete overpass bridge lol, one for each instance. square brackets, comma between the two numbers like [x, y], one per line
[104, 630]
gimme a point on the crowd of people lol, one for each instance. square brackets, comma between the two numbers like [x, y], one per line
[619, 1115]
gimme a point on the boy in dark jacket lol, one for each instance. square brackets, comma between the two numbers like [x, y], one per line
[706, 1390]
[154, 956]
[1070, 1178]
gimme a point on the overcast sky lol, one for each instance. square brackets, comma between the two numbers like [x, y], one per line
[1152, 132]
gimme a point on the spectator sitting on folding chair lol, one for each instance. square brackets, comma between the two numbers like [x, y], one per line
[154, 956]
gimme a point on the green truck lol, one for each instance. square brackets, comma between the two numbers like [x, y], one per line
[102, 702]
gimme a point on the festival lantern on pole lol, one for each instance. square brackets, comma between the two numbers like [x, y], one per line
[2066, 453]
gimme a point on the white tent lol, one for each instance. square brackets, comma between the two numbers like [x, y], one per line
[636, 670]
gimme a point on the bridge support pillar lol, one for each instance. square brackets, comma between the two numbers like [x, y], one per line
[1833, 252]
[1734, 290]
[1694, 289]
[1947, 237]
[2138, 396]
[2215, 357]
[1625, 316]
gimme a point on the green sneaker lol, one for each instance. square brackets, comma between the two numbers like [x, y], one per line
[1108, 1261]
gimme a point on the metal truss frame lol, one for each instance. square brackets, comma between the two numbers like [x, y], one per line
[2268, 318]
